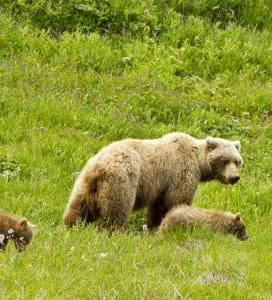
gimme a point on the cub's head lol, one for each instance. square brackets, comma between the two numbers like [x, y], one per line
[238, 228]
[24, 234]
[224, 159]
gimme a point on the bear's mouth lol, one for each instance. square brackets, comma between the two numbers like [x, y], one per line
[243, 237]
[229, 180]
[223, 180]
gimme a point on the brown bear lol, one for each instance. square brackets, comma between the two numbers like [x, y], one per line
[158, 174]
[184, 215]
[15, 228]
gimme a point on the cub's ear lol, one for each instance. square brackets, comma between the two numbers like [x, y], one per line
[237, 217]
[212, 143]
[23, 223]
[237, 144]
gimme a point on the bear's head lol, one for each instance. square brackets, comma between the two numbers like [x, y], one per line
[238, 228]
[24, 233]
[224, 159]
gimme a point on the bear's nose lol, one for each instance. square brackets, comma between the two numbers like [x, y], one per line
[244, 237]
[234, 179]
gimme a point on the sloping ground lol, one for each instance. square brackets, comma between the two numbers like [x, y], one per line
[64, 95]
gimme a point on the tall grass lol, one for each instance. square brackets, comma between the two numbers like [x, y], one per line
[77, 75]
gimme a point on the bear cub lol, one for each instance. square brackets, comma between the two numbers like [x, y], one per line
[15, 228]
[220, 221]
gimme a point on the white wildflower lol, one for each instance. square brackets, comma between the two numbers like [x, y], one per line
[2, 238]
[102, 255]
[146, 11]
[126, 59]
[11, 231]
[145, 228]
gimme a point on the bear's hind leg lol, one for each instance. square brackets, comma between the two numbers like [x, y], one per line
[82, 204]
[118, 201]
[113, 220]
[90, 212]
[73, 212]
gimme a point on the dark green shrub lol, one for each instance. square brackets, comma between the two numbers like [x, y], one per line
[135, 18]
[246, 13]
[107, 17]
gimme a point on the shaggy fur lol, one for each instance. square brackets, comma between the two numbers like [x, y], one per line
[225, 222]
[15, 228]
[158, 174]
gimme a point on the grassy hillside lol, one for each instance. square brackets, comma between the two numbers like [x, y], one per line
[78, 75]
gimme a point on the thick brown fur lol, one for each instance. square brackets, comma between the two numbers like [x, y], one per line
[184, 215]
[15, 228]
[158, 174]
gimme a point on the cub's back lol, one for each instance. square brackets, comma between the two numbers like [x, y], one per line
[7, 222]
[182, 215]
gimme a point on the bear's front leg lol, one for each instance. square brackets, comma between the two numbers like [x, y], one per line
[3, 242]
[181, 192]
[20, 245]
[156, 212]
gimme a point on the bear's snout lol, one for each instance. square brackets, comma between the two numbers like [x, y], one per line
[243, 237]
[234, 179]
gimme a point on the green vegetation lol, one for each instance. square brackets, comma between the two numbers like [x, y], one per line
[77, 75]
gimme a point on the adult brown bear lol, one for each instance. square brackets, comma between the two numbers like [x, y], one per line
[159, 173]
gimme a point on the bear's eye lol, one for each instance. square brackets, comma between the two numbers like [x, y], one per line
[235, 230]
[238, 163]
[225, 161]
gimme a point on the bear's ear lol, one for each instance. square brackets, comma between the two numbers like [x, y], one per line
[237, 217]
[211, 143]
[237, 144]
[23, 223]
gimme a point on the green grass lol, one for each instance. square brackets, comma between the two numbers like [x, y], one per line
[65, 95]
